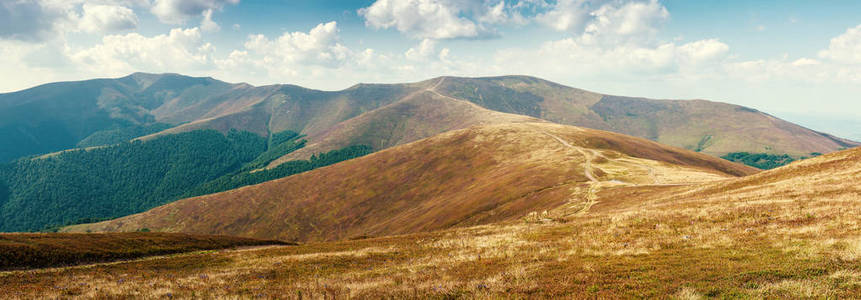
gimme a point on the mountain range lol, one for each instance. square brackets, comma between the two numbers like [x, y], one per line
[59, 116]
[446, 188]
[275, 131]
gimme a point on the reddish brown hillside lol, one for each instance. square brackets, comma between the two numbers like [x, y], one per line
[417, 116]
[473, 176]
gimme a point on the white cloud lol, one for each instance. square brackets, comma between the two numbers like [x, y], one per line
[448, 19]
[424, 50]
[19, 70]
[318, 59]
[435, 19]
[41, 20]
[703, 51]
[179, 11]
[604, 21]
[182, 50]
[567, 15]
[845, 48]
[319, 46]
[495, 14]
[517, 12]
[805, 62]
[107, 18]
[630, 22]
[207, 24]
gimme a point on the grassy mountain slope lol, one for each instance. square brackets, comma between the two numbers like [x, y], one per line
[826, 181]
[711, 127]
[278, 108]
[473, 176]
[786, 233]
[419, 115]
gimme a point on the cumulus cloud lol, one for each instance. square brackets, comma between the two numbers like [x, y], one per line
[571, 57]
[495, 14]
[436, 19]
[805, 62]
[604, 21]
[703, 51]
[424, 50]
[317, 58]
[449, 19]
[107, 18]
[630, 20]
[18, 68]
[568, 15]
[40, 20]
[319, 46]
[845, 48]
[179, 50]
[591, 20]
[207, 24]
[179, 11]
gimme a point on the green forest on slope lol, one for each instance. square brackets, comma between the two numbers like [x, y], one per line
[241, 179]
[131, 177]
[763, 161]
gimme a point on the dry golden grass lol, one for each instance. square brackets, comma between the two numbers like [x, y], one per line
[475, 176]
[641, 229]
[648, 253]
[789, 239]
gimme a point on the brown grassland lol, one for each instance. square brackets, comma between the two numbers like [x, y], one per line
[39, 250]
[474, 176]
[632, 224]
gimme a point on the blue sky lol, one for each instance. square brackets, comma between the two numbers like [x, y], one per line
[789, 58]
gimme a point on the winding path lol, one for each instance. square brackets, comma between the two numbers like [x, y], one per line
[588, 170]
[592, 193]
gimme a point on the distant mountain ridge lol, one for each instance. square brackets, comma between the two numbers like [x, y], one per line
[59, 116]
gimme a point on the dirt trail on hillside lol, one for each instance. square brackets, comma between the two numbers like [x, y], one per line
[592, 193]
[589, 158]
[594, 183]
